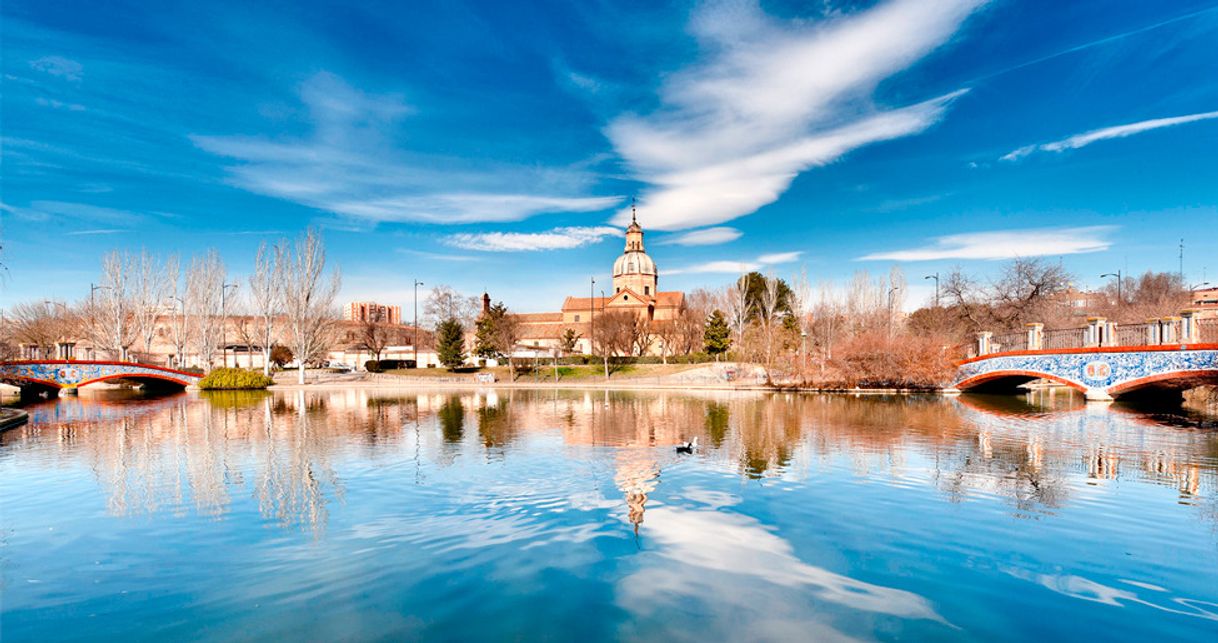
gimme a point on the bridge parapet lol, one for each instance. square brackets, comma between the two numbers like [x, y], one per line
[53, 375]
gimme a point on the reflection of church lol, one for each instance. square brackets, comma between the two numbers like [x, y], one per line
[635, 289]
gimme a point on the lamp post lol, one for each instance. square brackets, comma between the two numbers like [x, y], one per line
[179, 320]
[417, 283]
[936, 278]
[606, 355]
[1117, 274]
[224, 323]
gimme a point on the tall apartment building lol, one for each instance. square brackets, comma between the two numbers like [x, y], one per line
[362, 311]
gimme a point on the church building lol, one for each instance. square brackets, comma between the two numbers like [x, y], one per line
[635, 288]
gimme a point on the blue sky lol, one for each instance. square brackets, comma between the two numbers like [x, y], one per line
[498, 145]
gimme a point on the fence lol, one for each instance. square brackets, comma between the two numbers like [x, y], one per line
[1166, 331]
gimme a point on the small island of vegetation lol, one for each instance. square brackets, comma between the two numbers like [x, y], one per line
[230, 379]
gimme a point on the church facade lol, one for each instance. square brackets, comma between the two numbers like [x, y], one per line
[635, 289]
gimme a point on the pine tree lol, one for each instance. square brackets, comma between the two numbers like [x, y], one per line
[718, 337]
[450, 343]
[486, 340]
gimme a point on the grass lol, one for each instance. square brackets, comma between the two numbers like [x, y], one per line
[545, 372]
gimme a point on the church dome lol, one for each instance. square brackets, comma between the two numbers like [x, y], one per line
[634, 263]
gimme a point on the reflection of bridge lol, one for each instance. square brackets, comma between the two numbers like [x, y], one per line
[1159, 360]
[50, 376]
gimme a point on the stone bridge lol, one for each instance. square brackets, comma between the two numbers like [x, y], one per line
[1159, 359]
[51, 376]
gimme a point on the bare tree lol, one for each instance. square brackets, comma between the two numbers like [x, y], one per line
[444, 302]
[768, 317]
[374, 334]
[152, 281]
[308, 299]
[116, 332]
[204, 296]
[179, 328]
[266, 296]
[736, 300]
[42, 324]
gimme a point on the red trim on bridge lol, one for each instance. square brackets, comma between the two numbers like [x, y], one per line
[977, 380]
[137, 376]
[1132, 385]
[1095, 349]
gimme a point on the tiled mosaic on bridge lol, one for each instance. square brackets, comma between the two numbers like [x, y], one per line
[1096, 370]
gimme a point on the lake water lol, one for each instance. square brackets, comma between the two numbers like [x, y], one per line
[568, 515]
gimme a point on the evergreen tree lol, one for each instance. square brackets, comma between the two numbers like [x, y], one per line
[450, 343]
[717, 337]
[569, 341]
[486, 333]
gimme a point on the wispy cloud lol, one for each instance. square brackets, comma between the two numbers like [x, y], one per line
[556, 239]
[737, 267]
[65, 68]
[1116, 131]
[75, 233]
[1004, 244]
[350, 166]
[773, 99]
[438, 256]
[704, 237]
[60, 210]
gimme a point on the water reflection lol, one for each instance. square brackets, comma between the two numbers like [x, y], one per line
[192, 452]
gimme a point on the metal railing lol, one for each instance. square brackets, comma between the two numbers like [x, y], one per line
[1065, 338]
[1133, 334]
[1207, 331]
[1009, 342]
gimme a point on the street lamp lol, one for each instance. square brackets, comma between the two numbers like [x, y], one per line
[417, 283]
[224, 323]
[606, 355]
[936, 278]
[592, 318]
[179, 320]
[1117, 274]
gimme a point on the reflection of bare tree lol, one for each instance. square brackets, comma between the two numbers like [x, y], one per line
[296, 468]
[637, 475]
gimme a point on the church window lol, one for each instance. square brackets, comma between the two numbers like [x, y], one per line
[625, 297]
[646, 290]
[577, 318]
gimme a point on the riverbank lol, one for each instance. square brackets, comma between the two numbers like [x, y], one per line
[12, 418]
[696, 377]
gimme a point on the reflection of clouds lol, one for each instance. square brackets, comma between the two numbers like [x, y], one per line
[749, 580]
[1089, 590]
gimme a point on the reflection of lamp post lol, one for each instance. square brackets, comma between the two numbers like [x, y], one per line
[417, 283]
[936, 278]
[224, 324]
[1117, 274]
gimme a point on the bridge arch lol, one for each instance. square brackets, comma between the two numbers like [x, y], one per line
[1011, 379]
[1173, 381]
[50, 376]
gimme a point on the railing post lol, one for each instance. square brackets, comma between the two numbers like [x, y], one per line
[1095, 331]
[1154, 336]
[1110, 335]
[983, 342]
[1169, 329]
[1036, 336]
[1188, 327]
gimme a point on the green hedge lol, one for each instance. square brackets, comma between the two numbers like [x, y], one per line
[235, 379]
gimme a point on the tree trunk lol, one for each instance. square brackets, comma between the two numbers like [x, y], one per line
[266, 360]
[301, 372]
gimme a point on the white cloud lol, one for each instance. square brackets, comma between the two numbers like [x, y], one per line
[773, 99]
[737, 267]
[1116, 131]
[65, 68]
[1005, 244]
[350, 167]
[704, 237]
[779, 257]
[556, 239]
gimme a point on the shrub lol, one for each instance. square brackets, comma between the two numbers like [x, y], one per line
[235, 379]
[373, 366]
